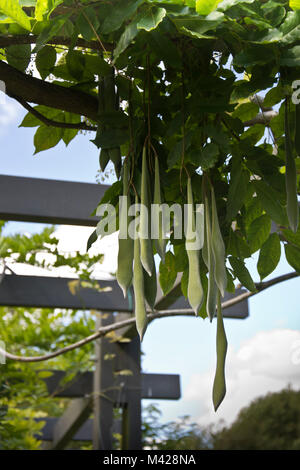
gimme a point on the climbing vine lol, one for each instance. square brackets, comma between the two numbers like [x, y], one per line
[194, 103]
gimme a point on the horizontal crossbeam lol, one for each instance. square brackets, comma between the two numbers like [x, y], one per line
[51, 292]
[49, 201]
[154, 386]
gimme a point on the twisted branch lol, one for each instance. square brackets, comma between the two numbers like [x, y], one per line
[260, 286]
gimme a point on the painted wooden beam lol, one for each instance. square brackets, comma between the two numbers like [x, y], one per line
[49, 201]
[153, 386]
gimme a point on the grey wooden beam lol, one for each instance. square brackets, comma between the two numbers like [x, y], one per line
[84, 433]
[51, 292]
[153, 386]
[128, 357]
[49, 201]
[68, 424]
[103, 382]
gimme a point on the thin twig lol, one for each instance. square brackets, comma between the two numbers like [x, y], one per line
[94, 31]
[50, 122]
[151, 316]
[8, 40]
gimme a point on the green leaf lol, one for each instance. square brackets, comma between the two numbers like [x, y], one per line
[13, 10]
[46, 137]
[245, 111]
[270, 202]
[151, 18]
[41, 8]
[205, 7]
[111, 138]
[118, 13]
[167, 273]
[292, 254]
[230, 287]
[209, 156]
[259, 232]
[292, 237]
[290, 28]
[237, 245]
[242, 273]
[75, 61]
[91, 240]
[45, 61]
[43, 374]
[239, 180]
[126, 38]
[96, 65]
[295, 4]
[184, 282]
[68, 135]
[87, 23]
[269, 256]
[226, 4]
[274, 96]
[51, 113]
[197, 26]
[291, 57]
[52, 29]
[19, 56]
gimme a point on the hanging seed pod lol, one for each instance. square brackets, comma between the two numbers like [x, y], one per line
[126, 243]
[145, 227]
[150, 288]
[138, 286]
[219, 386]
[103, 154]
[297, 129]
[195, 289]
[218, 248]
[290, 176]
[160, 241]
[111, 104]
[212, 290]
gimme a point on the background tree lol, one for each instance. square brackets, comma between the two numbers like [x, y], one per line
[270, 422]
[189, 86]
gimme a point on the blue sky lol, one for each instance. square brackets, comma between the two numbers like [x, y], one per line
[263, 352]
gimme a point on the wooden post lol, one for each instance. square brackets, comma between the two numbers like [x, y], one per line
[103, 380]
[129, 358]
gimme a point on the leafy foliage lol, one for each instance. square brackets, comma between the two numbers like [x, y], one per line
[29, 331]
[187, 78]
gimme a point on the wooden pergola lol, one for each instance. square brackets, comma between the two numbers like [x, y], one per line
[94, 393]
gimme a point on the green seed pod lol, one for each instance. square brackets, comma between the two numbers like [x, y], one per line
[212, 290]
[103, 155]
[150, 288]
[126, 243]
[160, 241]
[138, 285]
[195, 289]
[219, 386]
[290, 176]
[145, 222]
[297, 129]
[115, 157]
[111, 104]
[218, 248]
[103, 159]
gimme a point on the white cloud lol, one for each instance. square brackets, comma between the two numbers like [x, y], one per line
[267, 362]
[9, 111]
